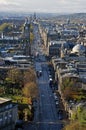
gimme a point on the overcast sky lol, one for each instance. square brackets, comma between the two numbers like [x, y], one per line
[52, 6]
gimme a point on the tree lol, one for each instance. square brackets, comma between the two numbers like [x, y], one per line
[82, 117]
[79, 120]
[30, 85]
[6, 27]
[30, 76]
[31, 37]
[66, 83]
[14, 79]
[15, 76]
[30, 90]
[75, 126]
[81, 114]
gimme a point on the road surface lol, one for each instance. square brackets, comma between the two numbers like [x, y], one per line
[47, 117]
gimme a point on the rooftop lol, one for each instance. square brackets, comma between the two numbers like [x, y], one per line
[4, 100]
[78, 48]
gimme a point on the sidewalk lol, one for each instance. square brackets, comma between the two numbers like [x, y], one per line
[36, 111]
[61, 107]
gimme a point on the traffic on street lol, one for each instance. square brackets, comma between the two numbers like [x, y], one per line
[46, 115]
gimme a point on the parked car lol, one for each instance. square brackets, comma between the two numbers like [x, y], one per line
[50, 82]
[19, 125]
[39, 73]
[60, 114]
[56, 98]
[57, 102]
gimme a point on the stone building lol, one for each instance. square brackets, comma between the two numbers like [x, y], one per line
[8, 114]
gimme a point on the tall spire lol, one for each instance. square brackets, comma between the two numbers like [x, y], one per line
[34, 16]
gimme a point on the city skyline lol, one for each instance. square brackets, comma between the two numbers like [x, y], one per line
[49, 6]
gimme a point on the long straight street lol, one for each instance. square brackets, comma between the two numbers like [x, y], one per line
[42, 65]
[47, 117]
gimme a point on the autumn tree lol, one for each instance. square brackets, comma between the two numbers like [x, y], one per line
[79, 121]
[75, 126]
[31, 37]
[30, 85]
[69, 88]
[14, 78]
[6, 27]
[30, 76]
[66, 83]
[30, 90]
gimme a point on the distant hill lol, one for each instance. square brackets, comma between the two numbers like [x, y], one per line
[44, 15]
[73, 16]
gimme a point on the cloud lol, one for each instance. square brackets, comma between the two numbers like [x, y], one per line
[3, 2]
[8, 2]
[43, 5]
[8, 5]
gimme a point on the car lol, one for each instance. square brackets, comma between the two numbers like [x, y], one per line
[19, 124]
[50, 82]
[40, 72]
[60, 111]
[50, 76]
[54, 93]
[56, 98]
[57, 102]
[60, 116]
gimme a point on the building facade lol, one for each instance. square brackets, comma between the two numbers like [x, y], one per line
[8, 114]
